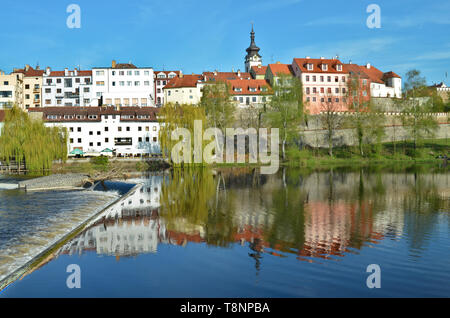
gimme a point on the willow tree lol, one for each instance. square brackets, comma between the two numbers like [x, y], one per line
[174, 116]
[28, 141]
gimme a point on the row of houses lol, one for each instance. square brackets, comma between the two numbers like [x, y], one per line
[115, 107]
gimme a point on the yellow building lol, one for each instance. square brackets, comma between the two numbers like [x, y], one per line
[32, 85]
[11, 90]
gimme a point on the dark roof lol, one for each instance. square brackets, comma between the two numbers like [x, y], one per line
[83, 113]
[2, 115]
[31, 72]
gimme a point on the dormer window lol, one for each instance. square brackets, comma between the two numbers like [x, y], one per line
[252, 89]
[263, 89]
[309, 66]
[324, 67]
[161, 75]
[238, 89]
[339, 67]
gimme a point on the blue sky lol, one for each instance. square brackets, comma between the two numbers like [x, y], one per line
[199, 35]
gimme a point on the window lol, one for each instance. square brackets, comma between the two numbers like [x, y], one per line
[99, 144]
[254, 99]
[71, 140]
[343, 90]
[27, 86]
[91, 144]
[113, 72]
[119, 128]
[329, 99]
[100, 83]
[307, 78]
[336, 79]
[129, 73]
[139, 128]
[322, 90]
[113, 83]
[337, 100]
[329, 90]
[147, 139]
[106, 139]
[146, 83]
[321, 78]
[128, 128]
[364, 93]
[154, 128]
[79, 129]
[49, 81]
[71, 129]
[121, 73]
[106, 128]
[146, 73]
[364, 82]
[98, 133]
[100, 73]
[48, 90]
[336, 90]
[307, 90]
[79, 140]
[139, 139]
[91, 133]
[329, 78]
[343, 78]
[136, 73]
[67, 82]
[314, 90]
[121, 83]
[339, 67]
[309, 66]
[77, 80]
[129, 83]
[86, 89]
[324, 67]
[314, 78]
[58, 80]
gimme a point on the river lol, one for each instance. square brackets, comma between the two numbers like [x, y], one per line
[235, 233]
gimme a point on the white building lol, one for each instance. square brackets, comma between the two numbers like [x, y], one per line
[161, 79]
[123, 85]
[185, 89]
[252, 58]
[131, 131]
[66, 88]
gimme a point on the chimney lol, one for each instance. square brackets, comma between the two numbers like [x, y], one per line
[75, 72]
[215, 73]
[66, 72]
[308, 57]
[350, 62]
[278, 62]
[322, 58]
[27, 67]
[113, 64]
[38, 67]
[239, 73]
[47, 71]
[232, 70]
[181, 73]
[368, 65]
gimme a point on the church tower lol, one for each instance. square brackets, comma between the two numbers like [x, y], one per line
[252, 58]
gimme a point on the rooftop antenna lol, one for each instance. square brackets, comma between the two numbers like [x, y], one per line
[271, 57]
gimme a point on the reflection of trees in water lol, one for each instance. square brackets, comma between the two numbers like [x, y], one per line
[196, 197]
[421, 206]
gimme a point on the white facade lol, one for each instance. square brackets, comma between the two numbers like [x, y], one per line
[161, 79]
[123, 85]
[392, 88]
[66, 88]
[128, 133]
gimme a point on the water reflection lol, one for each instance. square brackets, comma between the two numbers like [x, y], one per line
[313, 217]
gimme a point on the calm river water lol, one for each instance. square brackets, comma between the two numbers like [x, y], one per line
[235, 233]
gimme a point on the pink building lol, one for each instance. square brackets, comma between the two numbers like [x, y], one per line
[324, 83]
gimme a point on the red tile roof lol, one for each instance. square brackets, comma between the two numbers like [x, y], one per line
[246, 84]
[317, 65]
[31, 72]
[259, 70]
[279, 69]
[390, 75]
[222, 76]
[184, 81]
[61, 73]
[149, 113]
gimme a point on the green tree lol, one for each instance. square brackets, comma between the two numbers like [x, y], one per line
[217, 104]
[173, 116]
[417, 117]
[285, 110]
[28, 140]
